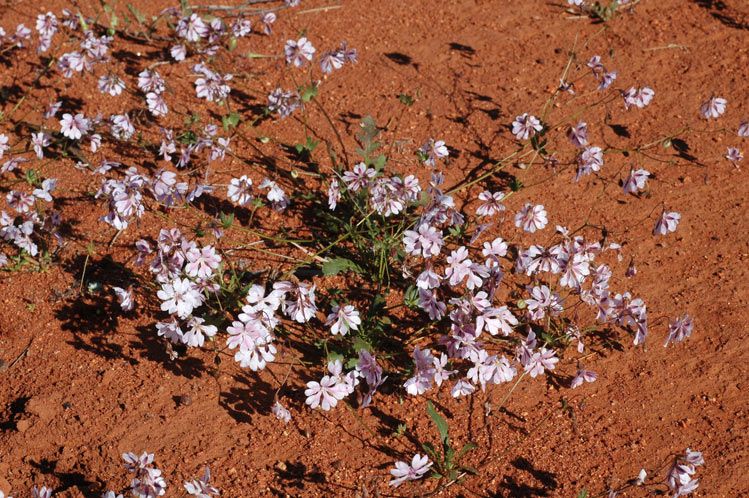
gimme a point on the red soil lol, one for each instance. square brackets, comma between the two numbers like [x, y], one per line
[89, 385]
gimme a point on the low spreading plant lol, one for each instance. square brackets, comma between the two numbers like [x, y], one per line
[486, 285]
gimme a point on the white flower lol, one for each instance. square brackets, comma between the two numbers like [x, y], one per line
[667, 223]
[125, 298]
[325, 393]
[713, 108]
[180, 296]
[239, 190]
[404, 472]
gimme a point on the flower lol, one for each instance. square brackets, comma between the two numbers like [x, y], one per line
[426, 241]
[197, 332]
[583, 376]
[531, 218]
[281, 412]
[492, 203]
[201, 263]
[578, 134]
[543, 359]
[180, 296]
[638, 97]
[667, 223]
[433, 150]
[713, 108]
[201, 487]
[298, 52]
[282, 102]
[359, 177]
[156, 104]
[44, 492]
[588, 161]
[74, 127]
[239, 190]
[734, 155]
[403, 471]
[635, 181]
[742, 132]
[125, 298]
[342, 319]
[525, 126]
[325, 393]
[679, 330]
[111, 84]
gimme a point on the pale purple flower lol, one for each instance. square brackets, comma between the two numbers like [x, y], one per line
[39, 141]
[583, 376]
[192, 28]
[744, 129]
[268, 19]
[282, 102]
[74, 127]
[525, 126]
[543, 301]
[578, 134]
[280, 412]
[491, 203]
[635, 181]
[298, 52]
[734, 155]
[588, 161]
[178, 52]
[713, 108]
[156, 104]
[121, 126]
[334, 194]
[543, 359]
[45, 192]
[43, 492]
[359, 177]
[197, 331]
[151, 81]
[667, 222]
[462, 388]
[331, 61]
[403, 471]
[125, 298]
[426, 241]
[607, 79]
[531, 218]
[496, 320]
[679, 330]
[4, 147]
[111, 84]
[432, 151]
[342, 319]
[638, 97]
[201, 488]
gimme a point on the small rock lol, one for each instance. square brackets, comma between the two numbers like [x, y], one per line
[23, 425]
[185, 400]
[281, 466]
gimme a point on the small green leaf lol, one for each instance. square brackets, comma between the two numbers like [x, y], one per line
[308, 93]
[338, 265]
[230, 120]
[439, 421]
[406, 99]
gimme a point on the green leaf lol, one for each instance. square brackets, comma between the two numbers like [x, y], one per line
[583, 494]
[406, 99]
[465, 449]
[439, 421]
[338, 265]
[308, 93]
[230, 121]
